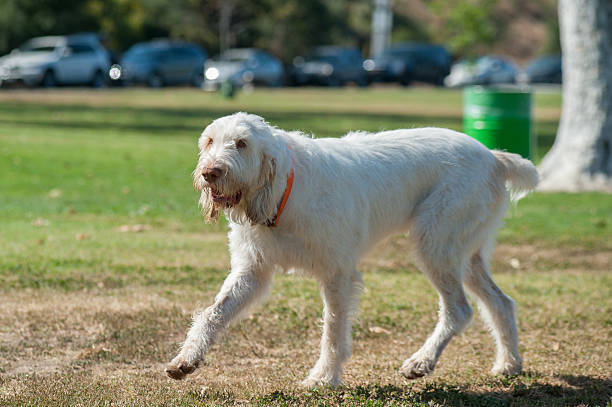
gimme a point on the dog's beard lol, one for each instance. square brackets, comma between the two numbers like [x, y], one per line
[237, 198]
[217, 198]
[210, 210]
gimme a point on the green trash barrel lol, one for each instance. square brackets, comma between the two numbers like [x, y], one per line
[499, 118]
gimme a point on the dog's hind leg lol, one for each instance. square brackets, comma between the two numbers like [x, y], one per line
[240, 289]
[454, 315]
[498, 311]
[340, 296]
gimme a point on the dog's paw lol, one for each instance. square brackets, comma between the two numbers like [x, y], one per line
[311, 382]
[507, 368]
[416, 367]
[178, 369]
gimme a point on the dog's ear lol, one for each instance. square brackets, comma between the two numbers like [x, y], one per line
[261, 206]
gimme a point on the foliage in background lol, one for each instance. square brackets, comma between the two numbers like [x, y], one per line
[290, 29]
[285, 27]
[467, 24]
[410, 29]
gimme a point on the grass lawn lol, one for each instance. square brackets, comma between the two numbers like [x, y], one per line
[104, 256]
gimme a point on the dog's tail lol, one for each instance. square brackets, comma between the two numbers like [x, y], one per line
[520, 174]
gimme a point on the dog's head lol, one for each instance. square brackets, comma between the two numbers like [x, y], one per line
[236, 169]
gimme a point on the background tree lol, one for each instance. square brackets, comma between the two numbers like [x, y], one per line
[581, 157]
[23, 19]
[288, 27]
[466, 26]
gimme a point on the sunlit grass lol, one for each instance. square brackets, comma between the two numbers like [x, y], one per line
[104, 255]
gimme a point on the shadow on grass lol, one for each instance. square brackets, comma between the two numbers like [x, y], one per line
[191, 121]
[160, 121]
[516, 391]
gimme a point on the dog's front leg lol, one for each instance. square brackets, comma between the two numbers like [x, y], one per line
[240, 289]
[340, 295]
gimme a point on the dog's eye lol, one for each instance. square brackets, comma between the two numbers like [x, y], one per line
[240, 144]
[209, 142]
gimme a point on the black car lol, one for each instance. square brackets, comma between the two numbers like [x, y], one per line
[543, 70]
[409, 62]
[162, 62]
[329, 66]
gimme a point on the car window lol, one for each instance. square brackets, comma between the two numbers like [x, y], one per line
[397, 53]
[330, 59]
[544, 64]
[353, 57]
[195, 51]
[81, 48]
[182, 53]
[38, 49]
[236, 56]
[39, 46]
[263, 58]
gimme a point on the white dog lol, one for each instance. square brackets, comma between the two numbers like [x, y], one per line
[317, 205]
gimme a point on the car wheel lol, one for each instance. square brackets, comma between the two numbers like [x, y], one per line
[363, 81]
[155, 80]
[334, 82]
[197, 79]
[48, 80]
[405, 80]
[276, 82]
[98, 80]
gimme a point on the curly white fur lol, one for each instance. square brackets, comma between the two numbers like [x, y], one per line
[443, 187]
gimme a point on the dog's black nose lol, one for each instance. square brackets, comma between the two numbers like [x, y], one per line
[212, 174]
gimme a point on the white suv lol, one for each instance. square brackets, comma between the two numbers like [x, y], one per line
[59, 60]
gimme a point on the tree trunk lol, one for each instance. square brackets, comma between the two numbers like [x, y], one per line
[581, 157]
[226, 10]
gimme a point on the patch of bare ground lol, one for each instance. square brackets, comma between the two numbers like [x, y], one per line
[47, 331]
[70, 348]
[395, 254]
[73, 348]
[531, 256]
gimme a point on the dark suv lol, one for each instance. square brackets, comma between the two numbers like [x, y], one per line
[162, 62]
[329, 66]
[409, 62]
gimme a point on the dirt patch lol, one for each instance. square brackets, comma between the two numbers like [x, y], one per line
[394, 253]
[531, 256]
[48, 331]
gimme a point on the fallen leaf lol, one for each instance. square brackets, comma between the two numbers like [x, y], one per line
[40, 222]
[379, 330]
[133, 228]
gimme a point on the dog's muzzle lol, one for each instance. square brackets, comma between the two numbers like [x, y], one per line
[225, 200]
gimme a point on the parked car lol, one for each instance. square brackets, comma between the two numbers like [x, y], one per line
[244, 66]
[160, 63]
[409, 62]
[57, 60]
[486, 70]
[460, 73]
[546, 69]
[329, 66]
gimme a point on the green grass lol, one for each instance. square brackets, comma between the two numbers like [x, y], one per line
[91, 313]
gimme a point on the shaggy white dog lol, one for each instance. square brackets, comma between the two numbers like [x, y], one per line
[317, 205]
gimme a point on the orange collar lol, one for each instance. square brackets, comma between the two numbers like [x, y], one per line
[288, 189]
